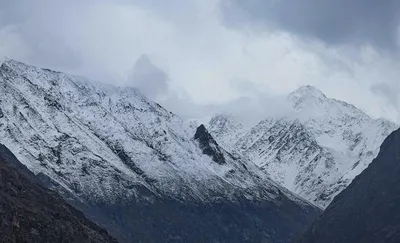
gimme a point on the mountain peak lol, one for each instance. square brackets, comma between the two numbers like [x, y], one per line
[7, 62]
[10, 61]
[225, 121]
[307, 91]
[11, 64]
[308, 97]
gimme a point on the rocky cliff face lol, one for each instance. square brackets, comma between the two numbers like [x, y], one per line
[31, 213]
[314, 151]
[137, 169]
[367, 210]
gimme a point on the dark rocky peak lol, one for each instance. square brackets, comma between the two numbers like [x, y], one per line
[208, 145]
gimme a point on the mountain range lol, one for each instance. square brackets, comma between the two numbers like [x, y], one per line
[146, 175]
[136, 169]
[315, 150]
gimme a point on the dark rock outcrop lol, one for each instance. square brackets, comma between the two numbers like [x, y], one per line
[31, 213]
[209, 145]
[368, 211]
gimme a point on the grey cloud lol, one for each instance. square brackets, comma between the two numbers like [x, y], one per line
[150, 79]
[101, 39]
[248, 110]
[334, 22]
[37, 26]
[12, 12]
[389, 92]
[51, 51]
[252, 110]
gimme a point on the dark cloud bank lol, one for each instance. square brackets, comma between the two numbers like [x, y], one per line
[333, 22]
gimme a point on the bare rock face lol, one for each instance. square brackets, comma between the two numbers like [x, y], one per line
[208, 145]
[31, 213]
[368, 210]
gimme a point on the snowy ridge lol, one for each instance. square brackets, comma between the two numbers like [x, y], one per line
[101, 142]
[317, 150]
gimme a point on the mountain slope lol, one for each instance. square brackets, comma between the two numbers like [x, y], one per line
[317, 149]
[136, 168]
[368, 210]
[226, 129]
[31, 213]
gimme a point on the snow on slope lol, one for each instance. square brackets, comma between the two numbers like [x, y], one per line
[226, 129]
[101, 142]
[317, 150]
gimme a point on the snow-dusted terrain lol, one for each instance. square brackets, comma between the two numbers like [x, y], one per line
[226, 129]
[314, 151]
[112, 147]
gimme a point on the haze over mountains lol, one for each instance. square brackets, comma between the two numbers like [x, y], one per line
[315, 151]
[137, 169]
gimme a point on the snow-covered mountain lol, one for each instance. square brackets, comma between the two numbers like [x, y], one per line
[136, 168]
[314, 151]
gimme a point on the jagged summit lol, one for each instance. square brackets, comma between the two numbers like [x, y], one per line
[309, 99]
[312, 106]
[315, 151]
[307, 92]
[4, 59]
[12, 63]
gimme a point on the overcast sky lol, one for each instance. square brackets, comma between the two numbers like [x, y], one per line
[205, 56]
